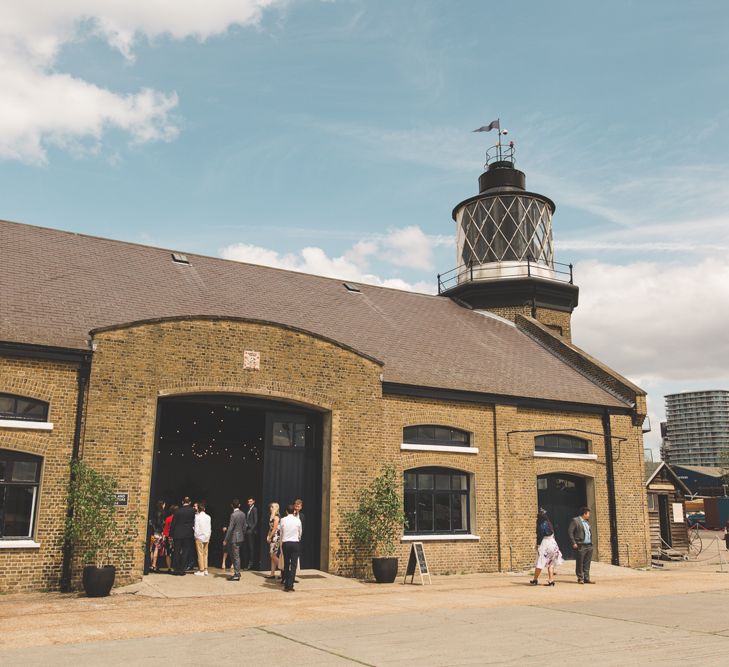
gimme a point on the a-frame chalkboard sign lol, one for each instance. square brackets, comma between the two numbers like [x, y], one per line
[417, 563]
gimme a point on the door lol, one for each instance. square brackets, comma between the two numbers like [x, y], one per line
[291, 470]
[665, 520]
[562, 496]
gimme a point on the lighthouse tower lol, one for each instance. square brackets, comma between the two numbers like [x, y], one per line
[505, 250]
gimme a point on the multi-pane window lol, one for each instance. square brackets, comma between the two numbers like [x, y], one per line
[19, 479]
[567, 444]
[20, 407]
[436, 501]
[289, 431]
[436, 435]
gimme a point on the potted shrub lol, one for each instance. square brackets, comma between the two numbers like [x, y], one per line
[93, 529]
[377, 524]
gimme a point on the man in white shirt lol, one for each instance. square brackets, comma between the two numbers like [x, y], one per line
[290, 529]
[203, 530]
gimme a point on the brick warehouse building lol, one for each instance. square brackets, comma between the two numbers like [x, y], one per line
[185, 374]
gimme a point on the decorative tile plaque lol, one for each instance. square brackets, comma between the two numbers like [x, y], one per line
[251, 360]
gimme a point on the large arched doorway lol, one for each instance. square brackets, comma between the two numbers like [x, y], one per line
[219, 447]
[562, 495]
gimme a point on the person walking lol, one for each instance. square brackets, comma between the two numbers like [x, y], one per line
[548, 553]
[203, 531]
[234, 536]
[290, 527]
[580, 534]
[273, 538]
[182, 532]
[251, 535]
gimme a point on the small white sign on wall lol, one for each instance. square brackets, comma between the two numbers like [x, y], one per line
[251, 360]
[677, 512]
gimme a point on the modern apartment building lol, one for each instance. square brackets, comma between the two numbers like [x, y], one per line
[697, 427]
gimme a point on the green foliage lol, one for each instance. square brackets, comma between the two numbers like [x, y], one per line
[378, 522]
[93, 529]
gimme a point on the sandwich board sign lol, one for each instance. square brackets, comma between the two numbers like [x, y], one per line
[417, 563]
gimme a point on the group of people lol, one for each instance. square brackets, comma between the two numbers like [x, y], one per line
[284, 539]
[549, 554]
[181, 536]
[285, 535]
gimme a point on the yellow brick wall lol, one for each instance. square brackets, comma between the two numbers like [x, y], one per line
[133, 367]
[547, 316]
[40, 568]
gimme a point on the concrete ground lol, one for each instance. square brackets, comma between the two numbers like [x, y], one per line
[672, 615]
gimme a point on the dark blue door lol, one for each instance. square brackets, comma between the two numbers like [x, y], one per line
[562, 496]
[291, 470]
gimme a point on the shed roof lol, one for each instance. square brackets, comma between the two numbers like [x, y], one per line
[57, 286]
[709, 471]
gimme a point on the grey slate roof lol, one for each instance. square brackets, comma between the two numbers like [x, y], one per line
[56, 286]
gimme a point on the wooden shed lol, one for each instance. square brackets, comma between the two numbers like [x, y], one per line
[666, 511]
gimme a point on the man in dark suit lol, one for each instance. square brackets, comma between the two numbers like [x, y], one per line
[234, 536]
[580, 534]
[251, 534]
[182, 532]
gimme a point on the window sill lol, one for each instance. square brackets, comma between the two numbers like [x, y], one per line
[27, 425]
[405, 447]
[19, 544]
[461, 537]
[565, 455]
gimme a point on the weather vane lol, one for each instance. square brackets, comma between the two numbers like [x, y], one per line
[496, 125]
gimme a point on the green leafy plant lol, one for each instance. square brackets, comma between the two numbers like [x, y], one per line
[378, 522]
[94, 528]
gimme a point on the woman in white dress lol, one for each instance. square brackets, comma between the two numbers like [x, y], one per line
[548, 553]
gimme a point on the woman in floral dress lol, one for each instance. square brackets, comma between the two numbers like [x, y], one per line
[548, 553]
[273, 538]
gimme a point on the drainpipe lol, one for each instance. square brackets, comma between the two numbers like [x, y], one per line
[84, 370]
[612, 510]
[496, 487]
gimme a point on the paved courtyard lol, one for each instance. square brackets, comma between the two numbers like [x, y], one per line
[673, 615]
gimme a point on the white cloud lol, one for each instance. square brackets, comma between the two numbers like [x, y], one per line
[355, 263]
[43, 107]
[656, 322]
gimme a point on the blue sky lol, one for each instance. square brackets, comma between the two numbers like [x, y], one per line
[334, 137]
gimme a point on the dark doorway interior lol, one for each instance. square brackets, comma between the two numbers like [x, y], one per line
[216, 448]
[665, 519]
[562, 496]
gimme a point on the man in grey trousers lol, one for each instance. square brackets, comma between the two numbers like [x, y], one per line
[234, 536]
[580, 534]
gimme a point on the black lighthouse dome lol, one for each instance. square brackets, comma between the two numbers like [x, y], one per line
[505, 249]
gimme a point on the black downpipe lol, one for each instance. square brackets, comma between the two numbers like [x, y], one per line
[84, 370]
[612, 510]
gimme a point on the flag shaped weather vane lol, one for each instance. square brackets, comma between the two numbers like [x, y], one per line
[496, 125]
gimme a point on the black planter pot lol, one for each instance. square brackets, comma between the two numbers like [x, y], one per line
[384, 569]
[98, 580]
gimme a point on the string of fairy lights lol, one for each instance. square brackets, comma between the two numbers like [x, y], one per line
[208, 438]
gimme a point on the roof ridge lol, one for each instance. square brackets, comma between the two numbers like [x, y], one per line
[215, 258]
[565, 360]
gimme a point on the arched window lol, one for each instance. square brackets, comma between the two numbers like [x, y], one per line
[20, 407]
[566, 444]
[19, 479]
[428, 434]
[437, 501]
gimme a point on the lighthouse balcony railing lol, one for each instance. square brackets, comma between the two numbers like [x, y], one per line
[473, 272]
